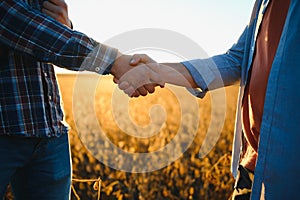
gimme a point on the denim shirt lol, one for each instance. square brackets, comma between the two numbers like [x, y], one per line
[277, 173]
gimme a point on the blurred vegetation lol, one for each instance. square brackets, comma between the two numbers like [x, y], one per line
[189, 177]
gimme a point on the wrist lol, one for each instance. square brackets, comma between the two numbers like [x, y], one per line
[113, 68]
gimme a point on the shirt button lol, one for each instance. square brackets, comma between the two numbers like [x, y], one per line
[97, 69]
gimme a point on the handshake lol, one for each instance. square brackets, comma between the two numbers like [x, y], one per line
[139, 74]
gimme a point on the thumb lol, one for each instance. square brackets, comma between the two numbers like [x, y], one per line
[140, 58]
[135, 60]
[124, 85]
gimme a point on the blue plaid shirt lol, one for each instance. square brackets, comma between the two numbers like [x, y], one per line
[30, 42]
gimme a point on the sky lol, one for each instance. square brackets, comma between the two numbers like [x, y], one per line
[214, 25]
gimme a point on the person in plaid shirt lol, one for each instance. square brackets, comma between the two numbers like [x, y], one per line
[34, 148]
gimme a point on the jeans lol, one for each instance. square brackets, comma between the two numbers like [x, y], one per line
[243, 185]
[37, 169]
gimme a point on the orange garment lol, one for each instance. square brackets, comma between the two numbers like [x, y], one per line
[253, 101]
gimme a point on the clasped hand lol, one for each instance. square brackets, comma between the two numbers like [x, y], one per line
[137, 75]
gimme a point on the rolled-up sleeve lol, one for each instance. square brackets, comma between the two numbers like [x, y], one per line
[218, 71]
[29, 31]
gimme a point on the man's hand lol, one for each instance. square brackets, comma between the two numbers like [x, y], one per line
[137, 77]
[156, 74]
[144, 74]
[122, 65]
[58, 10]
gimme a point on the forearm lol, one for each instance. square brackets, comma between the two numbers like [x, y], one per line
[28, 31]
[176, 74]
[221, 70]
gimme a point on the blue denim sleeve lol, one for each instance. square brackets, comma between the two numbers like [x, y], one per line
[218, 71]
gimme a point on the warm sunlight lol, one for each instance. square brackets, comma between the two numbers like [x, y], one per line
[214, 25]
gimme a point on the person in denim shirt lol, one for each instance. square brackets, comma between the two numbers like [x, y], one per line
[268, 50]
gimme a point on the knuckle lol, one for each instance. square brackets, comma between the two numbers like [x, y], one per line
[142, 91]
[60, 11]
[151, 89]
[64, 5]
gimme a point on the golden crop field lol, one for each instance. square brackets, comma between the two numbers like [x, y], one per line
[93, 106]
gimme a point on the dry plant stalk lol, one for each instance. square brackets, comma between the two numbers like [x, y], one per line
[96, 186]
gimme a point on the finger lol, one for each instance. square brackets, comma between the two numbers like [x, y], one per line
[51, 7]
[124, 85]
[142, 91]
[145, 58]
[59, 3]
[130, 91]
[136, 94]
[150, 88]
[140, 58]
[135, 60]
[115, 80]
[49, 13]
[58, 12]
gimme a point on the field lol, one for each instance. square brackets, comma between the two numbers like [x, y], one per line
[102, 127]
